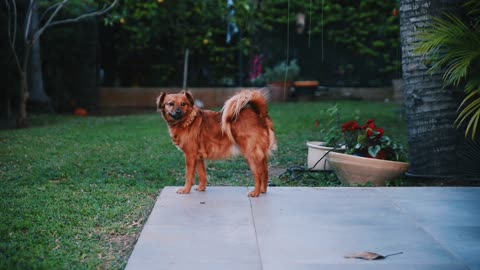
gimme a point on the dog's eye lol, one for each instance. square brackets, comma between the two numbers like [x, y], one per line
[184, 104]
[171, 104]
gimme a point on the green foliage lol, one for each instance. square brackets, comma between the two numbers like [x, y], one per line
[364, 34]
[451, 45]
[361, 38]
[166, 29]
[331, 134]
[365, 27]
[283, 71]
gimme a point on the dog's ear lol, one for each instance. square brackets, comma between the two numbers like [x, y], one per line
[160, 99]
[189, 96]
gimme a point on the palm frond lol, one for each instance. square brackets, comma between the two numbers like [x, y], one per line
[472, 84]
[473, 7]
[452, 46]
[457, 64]
[471, 111]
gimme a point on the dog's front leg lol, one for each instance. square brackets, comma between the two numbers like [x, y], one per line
[189, 175]
[202, 175]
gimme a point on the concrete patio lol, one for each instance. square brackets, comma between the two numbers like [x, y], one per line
[436, 228]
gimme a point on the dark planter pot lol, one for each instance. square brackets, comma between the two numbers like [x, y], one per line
[305, 90]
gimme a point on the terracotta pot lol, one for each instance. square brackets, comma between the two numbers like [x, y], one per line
[352, 170]
[316, 159]
[305, 83]
[279, 91]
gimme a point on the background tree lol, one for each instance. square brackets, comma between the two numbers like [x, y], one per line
[353, 43]
[24, 34]
[145, 41]
[345, 42]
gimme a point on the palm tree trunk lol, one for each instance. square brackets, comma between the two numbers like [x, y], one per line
[430, 108]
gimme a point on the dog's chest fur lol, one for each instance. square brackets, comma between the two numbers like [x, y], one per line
[203, 137]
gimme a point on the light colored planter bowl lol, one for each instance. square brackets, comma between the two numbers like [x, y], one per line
[355, 170]
[317, 150]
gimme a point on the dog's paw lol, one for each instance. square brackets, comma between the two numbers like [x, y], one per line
[183, 190]
[254, 194]
[201, 188]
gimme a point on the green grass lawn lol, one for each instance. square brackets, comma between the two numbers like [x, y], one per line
[75, 192]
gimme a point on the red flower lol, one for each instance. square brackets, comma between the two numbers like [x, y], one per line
[368, 140]
[369, 132]
[380, 131]
[370, 124]
[350, 126]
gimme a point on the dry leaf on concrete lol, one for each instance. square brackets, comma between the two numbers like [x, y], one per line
[366, 255]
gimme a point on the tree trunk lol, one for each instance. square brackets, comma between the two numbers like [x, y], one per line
[430, 108]
[35, 74]
[23, 97]
[38, 101]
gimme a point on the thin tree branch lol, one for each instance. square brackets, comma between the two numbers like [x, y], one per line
[81, 17]
[15, 26]
[48, 10]
[39, 32]
[9, 30]
[15, 56]
[28, 17]
[12, 38]
[49, 23]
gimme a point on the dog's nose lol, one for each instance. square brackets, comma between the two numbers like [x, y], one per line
[177, 114]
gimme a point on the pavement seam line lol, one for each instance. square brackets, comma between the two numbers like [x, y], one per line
[255, 230]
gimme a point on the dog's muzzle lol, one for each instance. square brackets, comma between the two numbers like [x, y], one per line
[177, 115]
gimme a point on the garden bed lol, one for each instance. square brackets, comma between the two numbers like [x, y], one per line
[128, 99]
[144, 97]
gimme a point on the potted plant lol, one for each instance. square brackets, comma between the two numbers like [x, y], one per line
[319, 150]
[331, 140]
[280, 78]
[371, 156]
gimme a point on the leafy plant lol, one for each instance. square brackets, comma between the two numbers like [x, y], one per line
[453, 43]
[282, 72]
[332, 136]
[370, 141]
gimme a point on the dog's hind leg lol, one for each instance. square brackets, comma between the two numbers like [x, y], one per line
[189, 175]
[264, 182]
[258, 166]
[202, 175]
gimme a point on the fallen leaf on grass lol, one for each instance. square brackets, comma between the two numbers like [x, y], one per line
[366, 255]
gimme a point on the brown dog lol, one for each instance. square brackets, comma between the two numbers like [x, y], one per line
[243, 127]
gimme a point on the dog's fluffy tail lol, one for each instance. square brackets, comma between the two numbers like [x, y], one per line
[255, 99]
